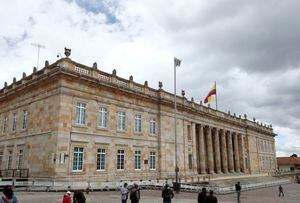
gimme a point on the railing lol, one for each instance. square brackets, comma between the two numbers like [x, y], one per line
[14, 173]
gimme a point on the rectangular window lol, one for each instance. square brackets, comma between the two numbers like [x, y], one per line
[152, 126]
[9, 160]
[25, 118]
[138, 123]
[101, 160]
[152, 161]
[121, 160]
[14, 122]
[137, 160]
[189, 133]
[1, 159]
[78, 158]
[102, 117]
[121, 120]
[80, 113]
[20, 159]
[190, 162]
[5, 121]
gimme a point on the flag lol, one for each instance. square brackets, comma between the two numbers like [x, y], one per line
[177, 62]
[213, 91]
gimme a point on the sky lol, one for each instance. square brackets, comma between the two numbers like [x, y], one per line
[250, 48]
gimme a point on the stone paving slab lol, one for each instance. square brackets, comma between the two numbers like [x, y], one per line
[266, 195]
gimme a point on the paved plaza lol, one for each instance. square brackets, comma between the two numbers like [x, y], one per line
[266, 195]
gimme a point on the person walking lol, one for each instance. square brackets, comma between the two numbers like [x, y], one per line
[167, 194]
[211, 198]
[8, 195]
[135, 194]
[124, 193]
[78, 197]
[238, 189]
[202, 196]
[280, 191]
[67, 197]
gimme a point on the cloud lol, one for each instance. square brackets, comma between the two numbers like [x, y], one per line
[250, 49]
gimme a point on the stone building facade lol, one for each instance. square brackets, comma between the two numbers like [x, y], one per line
[70, 120]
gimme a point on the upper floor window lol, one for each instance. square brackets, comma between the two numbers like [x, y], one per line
[152, 161]
[1, 159]
[121, 120]
[137, 160]
[189, 133]
[14, 122]
[121, 160]
[78, 159]
[101, 159]
[80, 113]
[152, 126]
[5, 121]
[25, 119]
[138, 123]
[102, 117]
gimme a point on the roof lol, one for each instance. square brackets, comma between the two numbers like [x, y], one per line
[288, 161]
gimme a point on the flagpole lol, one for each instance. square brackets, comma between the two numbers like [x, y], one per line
[216, 96]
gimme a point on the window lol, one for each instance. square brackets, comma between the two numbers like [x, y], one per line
[137, 160]
[5, 120]
[189, 133]
[102, 117]
[1, 159]
[121, 120]
[80, 113]
[152, 161]
[25, 118]
[101, 160]
[9, 160]
[190, 162]
[20, 159]
[121, 160]
[138, 123]
[152, 126]
[14, 122]
[78, 158]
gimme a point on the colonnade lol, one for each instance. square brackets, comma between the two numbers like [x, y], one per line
[219, 150]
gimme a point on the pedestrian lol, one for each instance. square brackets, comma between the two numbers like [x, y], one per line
[167, 194]
[124, 193]
[78, 197]
[8, 195]
[135, 194]
[211, 198]
[280, 191]
[202, 195]
[67, 197]
[238, 189]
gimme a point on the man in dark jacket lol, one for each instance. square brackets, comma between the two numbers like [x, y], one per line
[211, 198]
[135, 194]
[238, 189]
[202, 196]
[167, 194]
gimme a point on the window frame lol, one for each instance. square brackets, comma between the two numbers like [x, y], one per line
[120, 160]
[14, 122]
[121, 124]
[25, 120]
[152, 156]
[102, 117]
[138, 160]
[76, 159]
[101, 153]
[152, 126]
[80, 113]
[138, 123]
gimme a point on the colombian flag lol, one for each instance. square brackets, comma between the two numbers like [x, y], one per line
[212, 92]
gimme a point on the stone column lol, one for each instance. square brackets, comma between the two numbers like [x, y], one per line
[201, 150]
[217, 151]
[230, 152]
[224, 152]
[236, 153]
[210, 151]
[242, 152]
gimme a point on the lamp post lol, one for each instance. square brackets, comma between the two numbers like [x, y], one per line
[177, 62]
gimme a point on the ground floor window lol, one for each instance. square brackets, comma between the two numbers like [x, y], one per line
[190, 162]
[121, 160]
[152, 161]
[9, 160]
[137, 160]
[78, 158]
[101, 159]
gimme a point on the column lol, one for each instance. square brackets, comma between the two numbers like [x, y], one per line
[224, 152]
[210, 151]
[230, 152]
[201, 150]
[236, 153]
[217, 151]
[242, 153]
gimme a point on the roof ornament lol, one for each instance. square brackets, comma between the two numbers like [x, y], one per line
[67, 52]
[46, 63]
[183, 93]
[95, 66]
[146, 83]
[131, 78]
[24, 75]
[160, 85]
[114, 72]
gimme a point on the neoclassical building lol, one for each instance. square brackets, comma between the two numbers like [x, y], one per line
[70, 120]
